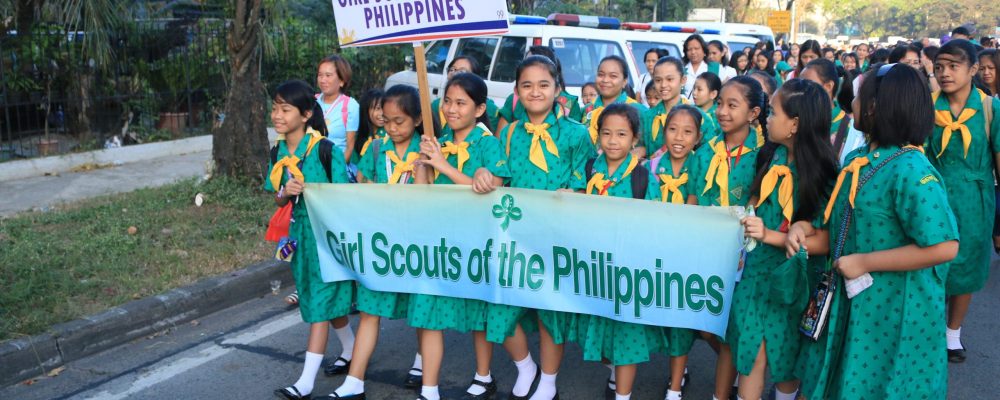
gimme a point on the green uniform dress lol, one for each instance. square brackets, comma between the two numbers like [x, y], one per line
[654, 130]
[569, 106]
[356, 156]
[318, 301]
[603, 338]
[442, 312]
[759, 315]
[741, 162]
[380, 168]
[590, 120]
[679, 340]
[969, 182]
[565, 171]
[893, 341]
[492, 113]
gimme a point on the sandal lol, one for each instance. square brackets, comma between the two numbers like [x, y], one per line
[292, 394]
[293, 298]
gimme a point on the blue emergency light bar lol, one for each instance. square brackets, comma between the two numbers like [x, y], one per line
[527, 20]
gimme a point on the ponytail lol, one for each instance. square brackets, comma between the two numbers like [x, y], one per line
[316, 120]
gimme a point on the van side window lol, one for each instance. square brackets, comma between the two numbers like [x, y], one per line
[639, 50]
[579, 58]
[479, 48]
[512, 50]
[437, 56]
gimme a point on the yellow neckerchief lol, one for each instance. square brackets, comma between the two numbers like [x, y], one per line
[604, 185]
[401, 166]
[539, 133]
[944, 119]
[719, 167]
[661, 119]
[838, 115]
[670, 190]
[854, 168]
[461, 150]
[379, 134]
[785, 191]
[291, 161]
[599, 108]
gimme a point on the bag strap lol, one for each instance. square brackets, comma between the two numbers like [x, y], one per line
[343, 110]
[274, 154]
[846, 221]
[510, 134]
[326, 158]
[640, 182]
[838, 144]
[589, 168]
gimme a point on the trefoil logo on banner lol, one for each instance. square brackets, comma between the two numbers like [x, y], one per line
[507, 211]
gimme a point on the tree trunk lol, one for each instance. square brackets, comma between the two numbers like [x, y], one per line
[239, 145]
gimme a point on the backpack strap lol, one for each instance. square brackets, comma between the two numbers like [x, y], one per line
[274, 154]
[987, 102]
[343, 110]
[510, 133]
[838, 144]
[654, 163]
[640, 182]
[589, 169]
[326, 158]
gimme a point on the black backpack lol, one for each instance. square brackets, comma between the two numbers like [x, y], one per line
[639, 178]
[325, 157]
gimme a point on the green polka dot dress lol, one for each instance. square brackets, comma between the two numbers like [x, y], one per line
[442, 312]
[759, 314]
[654, 133]
[969, 182]
[565, 171]
[377, 168]
[893, 343]
[603, 338]
[318, 301]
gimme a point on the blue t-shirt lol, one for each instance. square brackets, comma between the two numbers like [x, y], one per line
[333, 114]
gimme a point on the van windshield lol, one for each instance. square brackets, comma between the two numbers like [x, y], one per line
[579, 58]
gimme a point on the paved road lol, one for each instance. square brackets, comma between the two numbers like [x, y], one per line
[44, 192]
[247, 351]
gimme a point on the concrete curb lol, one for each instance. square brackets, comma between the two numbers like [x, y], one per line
[21, 169]
[24, 358]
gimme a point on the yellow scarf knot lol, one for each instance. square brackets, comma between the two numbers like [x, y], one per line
[719, 169]
[292, 161]
[401, 166]
[603, 185]
[854, 168]
[461, 150]
[944, 119]
[658, 123]
[540, 133]
[670, 190]
[785, 191]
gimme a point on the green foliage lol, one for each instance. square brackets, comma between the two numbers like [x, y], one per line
[65, 264]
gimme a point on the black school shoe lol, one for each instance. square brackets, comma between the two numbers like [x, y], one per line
[334, 395]
[333, 369]
[293, 394]
[957, 356]
[534, 382]
[491, 390]
[413, 381]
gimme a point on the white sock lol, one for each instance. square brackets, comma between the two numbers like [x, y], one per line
[954, 338]
[613, 383]
[430, 392]
[672, 395]
[714, 398]
[526, 370]
[346, 336]
[477, 390]
[736, 381]
[779, 395]
[623, 396]
[738, 397]
[418, 366]
[351, 386]
[305, 383]
[546, 389]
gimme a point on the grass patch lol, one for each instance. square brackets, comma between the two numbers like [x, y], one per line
[81, 259]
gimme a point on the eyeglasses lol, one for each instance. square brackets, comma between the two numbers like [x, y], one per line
[457, 70]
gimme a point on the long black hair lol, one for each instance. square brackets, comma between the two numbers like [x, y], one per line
[475, 88]
[300, 95]
[722, 49]
[369, 99]
[815, 162]
[472, 63]
[734, 62]
[810, 45]
[755, 96]
[407, 98]
[770, 61]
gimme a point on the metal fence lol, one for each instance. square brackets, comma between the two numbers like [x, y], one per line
[167, 79]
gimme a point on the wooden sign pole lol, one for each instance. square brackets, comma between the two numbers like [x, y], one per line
[425, 93]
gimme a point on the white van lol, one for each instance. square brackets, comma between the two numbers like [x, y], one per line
[579, 48]
[738, 36]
